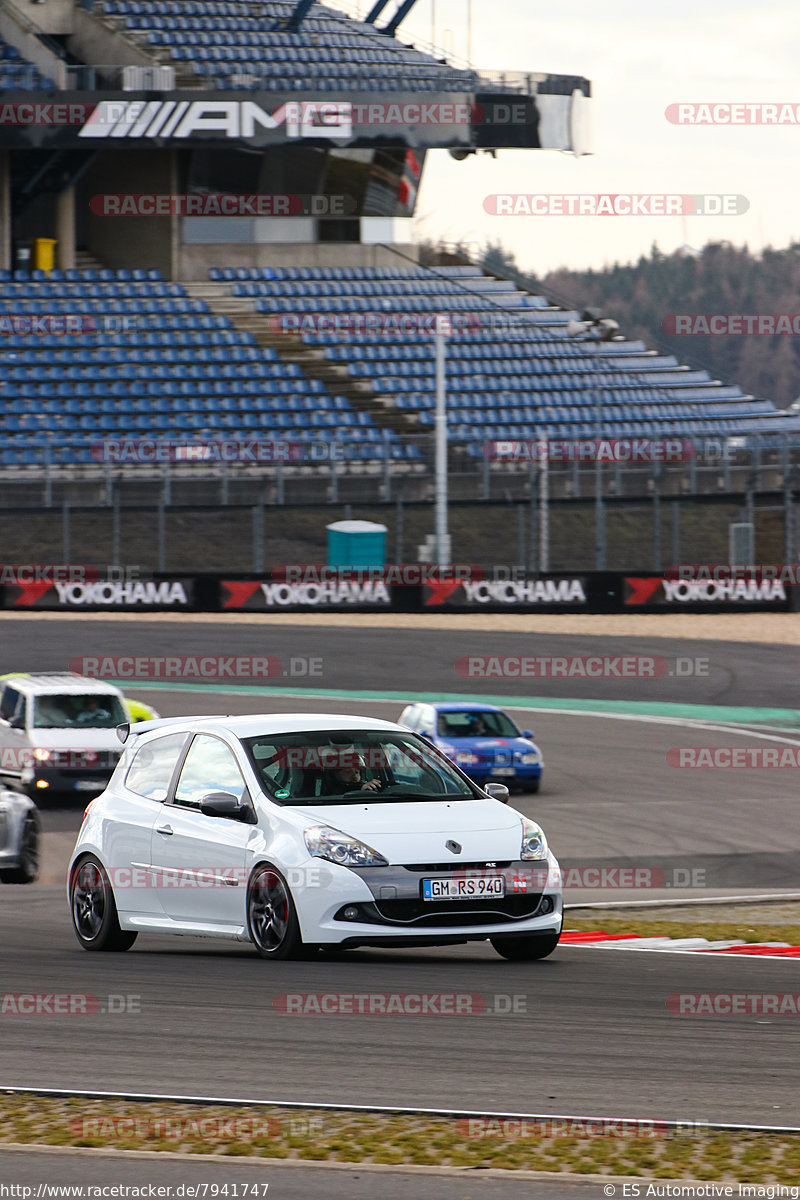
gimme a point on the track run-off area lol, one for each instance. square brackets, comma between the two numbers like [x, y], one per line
[590, 1031]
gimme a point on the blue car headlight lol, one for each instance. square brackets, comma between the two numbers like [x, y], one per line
[467, 758]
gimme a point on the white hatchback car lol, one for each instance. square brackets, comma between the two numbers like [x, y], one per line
[303, 831]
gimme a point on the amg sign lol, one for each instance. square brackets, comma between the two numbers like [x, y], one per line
[539, 118]
[239, 119]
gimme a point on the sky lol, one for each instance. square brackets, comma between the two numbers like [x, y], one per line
[640, 57]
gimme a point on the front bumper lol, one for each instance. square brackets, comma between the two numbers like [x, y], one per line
[385, 905]
[518, 774]
[88, 782]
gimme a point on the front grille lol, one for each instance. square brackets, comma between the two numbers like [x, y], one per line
[415, 914]
[455, 865]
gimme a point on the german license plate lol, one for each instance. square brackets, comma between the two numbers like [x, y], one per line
[464, 889]
[505, 771]
[89, 785]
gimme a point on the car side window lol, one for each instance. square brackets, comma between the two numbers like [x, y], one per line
[210, 766]
[151, 770]
[12, 704]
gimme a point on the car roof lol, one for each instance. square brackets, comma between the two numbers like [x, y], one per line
[257, 724]
[465, 707]
[61, 682]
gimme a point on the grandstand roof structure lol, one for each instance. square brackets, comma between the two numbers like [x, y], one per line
[187, 321]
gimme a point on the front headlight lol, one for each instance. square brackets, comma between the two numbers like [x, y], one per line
[534, 843]
[41, 755]
[337, 847]
[529, 759]
[466, 758]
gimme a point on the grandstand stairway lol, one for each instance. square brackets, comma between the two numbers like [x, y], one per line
[361, 396]
[186, 75]
[84, 261]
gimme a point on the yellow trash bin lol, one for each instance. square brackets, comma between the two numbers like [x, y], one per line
[43, 254]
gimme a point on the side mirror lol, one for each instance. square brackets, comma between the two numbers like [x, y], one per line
[498, 791]
[16, 723]
[222, 804]
[528, 733]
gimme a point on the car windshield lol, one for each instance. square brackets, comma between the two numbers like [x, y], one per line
[337, 767]
[95, 711]
[466, 724]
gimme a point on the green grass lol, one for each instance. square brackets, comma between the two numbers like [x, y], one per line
[339, 1136]
[715, 931]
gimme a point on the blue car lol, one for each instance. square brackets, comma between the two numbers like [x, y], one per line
[481, 740]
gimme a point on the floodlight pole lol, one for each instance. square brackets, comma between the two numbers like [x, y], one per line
[544, 503]
[599, 506]
[593, 333]
[442, 537]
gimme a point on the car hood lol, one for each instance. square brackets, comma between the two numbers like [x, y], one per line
[487, 746]
[418, 832]
[75, 739]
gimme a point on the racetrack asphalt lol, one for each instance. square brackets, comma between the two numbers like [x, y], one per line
[277, 1181]
[596, 1037]
[414, 660]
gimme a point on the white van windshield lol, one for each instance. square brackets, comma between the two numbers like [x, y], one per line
[95, 711]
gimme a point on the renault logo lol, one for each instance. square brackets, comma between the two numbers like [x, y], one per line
[454, 846]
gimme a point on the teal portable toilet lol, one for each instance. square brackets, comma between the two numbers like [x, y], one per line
[356, 544]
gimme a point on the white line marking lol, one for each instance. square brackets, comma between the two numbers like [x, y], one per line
[26, 1089]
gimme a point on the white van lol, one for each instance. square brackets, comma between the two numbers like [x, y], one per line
[57, 733]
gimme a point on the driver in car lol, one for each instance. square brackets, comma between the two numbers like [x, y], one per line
[349, 778]
[92, 711]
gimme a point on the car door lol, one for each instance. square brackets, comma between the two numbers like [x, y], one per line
[198, 861]
[140, 786]
[15, 751]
